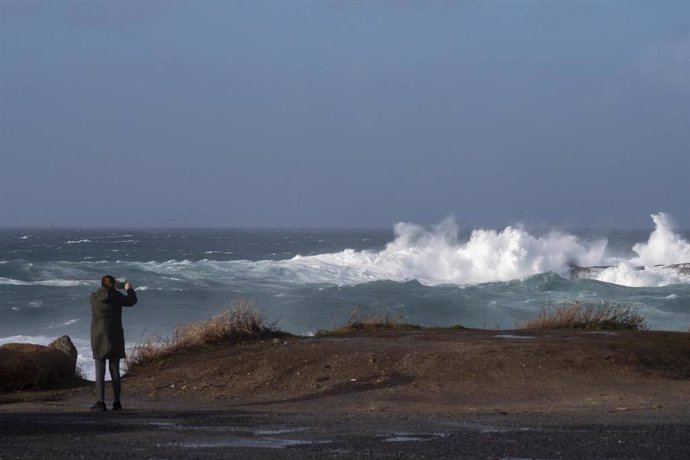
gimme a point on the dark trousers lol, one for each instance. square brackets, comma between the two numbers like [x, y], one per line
[114, 368]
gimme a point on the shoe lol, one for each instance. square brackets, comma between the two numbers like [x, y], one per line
[99, 406]
[117, 405]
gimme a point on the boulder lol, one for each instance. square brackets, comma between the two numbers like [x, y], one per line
[65, 345]
[26, 365]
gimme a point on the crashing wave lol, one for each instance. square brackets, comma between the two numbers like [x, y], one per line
[660, 261]
[436, 256]
[431, 256]
[626, 274]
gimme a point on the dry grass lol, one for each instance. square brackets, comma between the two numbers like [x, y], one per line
[242, 322]
[594, 317]
[361, 322]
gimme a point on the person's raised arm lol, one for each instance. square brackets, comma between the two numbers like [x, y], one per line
[131, 298]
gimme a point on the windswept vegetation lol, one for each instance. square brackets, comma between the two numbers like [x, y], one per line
[368, 322]
[245, 322]
[240, 323]
[606, 316]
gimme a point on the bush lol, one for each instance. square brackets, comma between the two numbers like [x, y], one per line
[605, 316]
[241, 322]
[358, 322]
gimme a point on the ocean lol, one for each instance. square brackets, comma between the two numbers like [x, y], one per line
[307, 280]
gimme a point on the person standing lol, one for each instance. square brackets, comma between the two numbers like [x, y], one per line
[107, 335]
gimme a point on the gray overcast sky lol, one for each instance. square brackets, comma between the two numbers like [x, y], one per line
[344, 113]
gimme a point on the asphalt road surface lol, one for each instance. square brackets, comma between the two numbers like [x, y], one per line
[161, 434]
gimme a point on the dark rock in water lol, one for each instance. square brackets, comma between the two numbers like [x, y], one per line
[577, 272]
[26, 365]
[681, 268]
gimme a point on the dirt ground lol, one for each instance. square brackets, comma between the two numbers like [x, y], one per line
[538, 393]
[432, 372]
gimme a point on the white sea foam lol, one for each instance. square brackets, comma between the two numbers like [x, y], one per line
[627, 274]
[664, 246]
[65, 283]
[12, 282]
[436, 256]
[66, 323]
[432, 256]
[36, 339]
[36, 303]
[50, 283]
[78, 241]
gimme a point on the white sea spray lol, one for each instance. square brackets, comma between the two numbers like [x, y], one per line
[436, 257]
[664, 245]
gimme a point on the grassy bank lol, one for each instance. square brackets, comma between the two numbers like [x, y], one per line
[240, 323]
[244, 322]
[604, 317]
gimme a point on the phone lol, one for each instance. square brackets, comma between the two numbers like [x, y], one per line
[120, 285]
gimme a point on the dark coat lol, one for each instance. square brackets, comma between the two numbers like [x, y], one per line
[107, 335]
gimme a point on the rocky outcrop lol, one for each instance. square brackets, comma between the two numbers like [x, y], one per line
[65, 345]
[26, 365]
[588, 272]
[577, 272]
[682, 268]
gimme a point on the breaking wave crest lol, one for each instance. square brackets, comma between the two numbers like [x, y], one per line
[664, 246]
[432, 256]
[49, 283]
[627, 274]
[436, 256]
